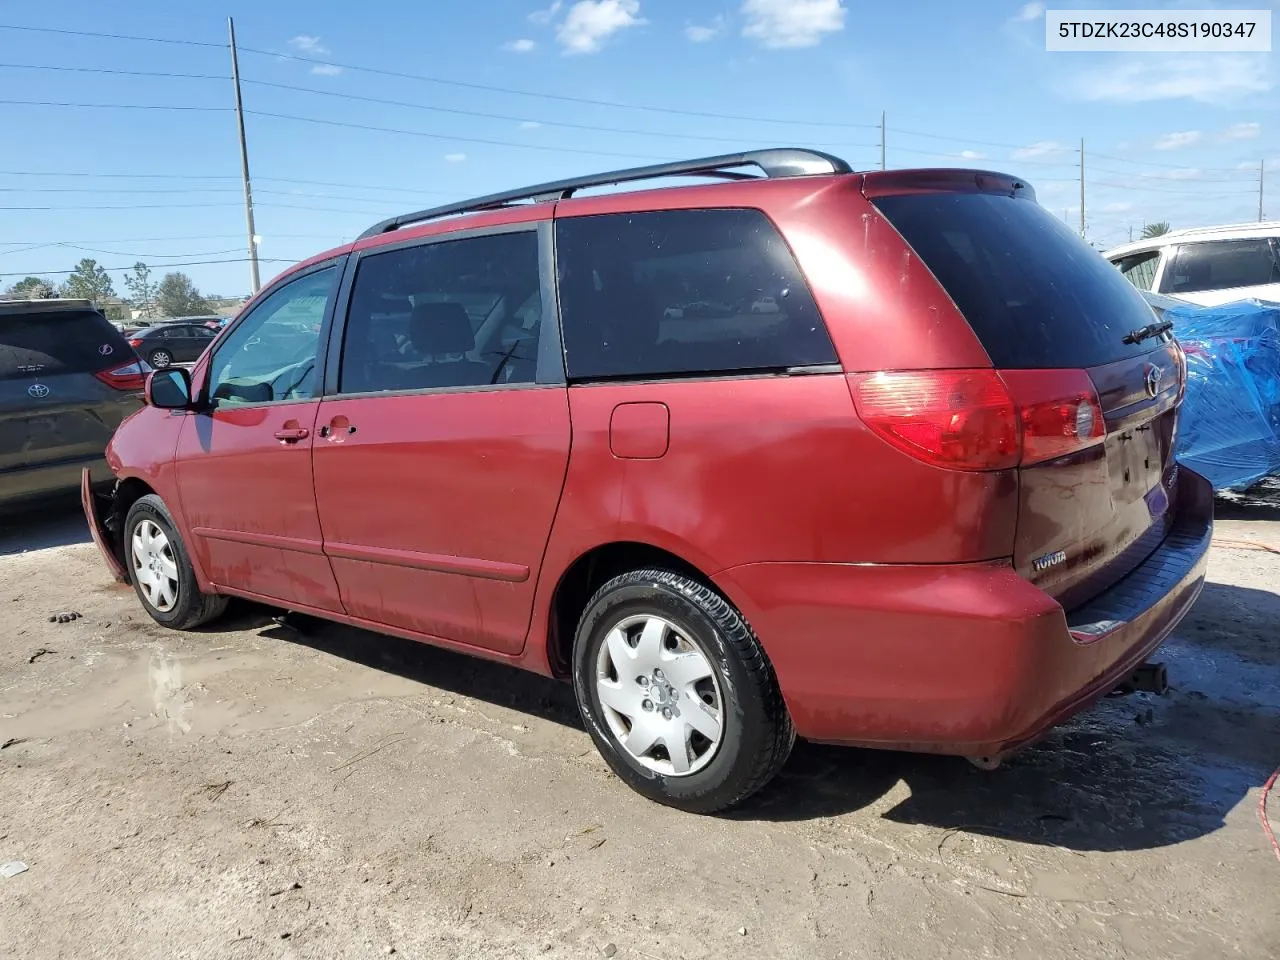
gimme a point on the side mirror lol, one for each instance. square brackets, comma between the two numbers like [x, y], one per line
[169, 389]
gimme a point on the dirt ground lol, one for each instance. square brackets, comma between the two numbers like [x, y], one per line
[254, 792]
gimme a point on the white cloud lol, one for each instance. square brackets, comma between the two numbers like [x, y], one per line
[523, 45]
[308, 44]
[972, 155]
[1247, 165]
[1030, 11]
[1216, 79]
[1042, 149]
[701, 34]
[589, 23]
[545, 16]
[529, 124]
[782, 24]
[1242, 131]
[1176, 141]
[455, 157]
[326, 69]
[1120, 207]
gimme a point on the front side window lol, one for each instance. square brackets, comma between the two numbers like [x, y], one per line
[1140, 268]
[458, 313]
[1221, 265]
[271, 355]
[683, 292]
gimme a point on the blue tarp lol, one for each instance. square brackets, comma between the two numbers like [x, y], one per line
[1230, 423]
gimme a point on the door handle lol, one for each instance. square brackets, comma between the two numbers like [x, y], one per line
[292, 434]
[336, 428]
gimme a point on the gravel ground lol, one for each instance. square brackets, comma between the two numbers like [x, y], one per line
[253, 791]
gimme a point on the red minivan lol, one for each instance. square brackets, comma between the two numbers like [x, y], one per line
[882, 459]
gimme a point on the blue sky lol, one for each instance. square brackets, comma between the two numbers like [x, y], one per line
[1167, 137]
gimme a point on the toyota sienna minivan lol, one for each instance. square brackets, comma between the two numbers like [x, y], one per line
[927, 501]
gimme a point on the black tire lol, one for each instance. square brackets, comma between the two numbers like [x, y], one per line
[160, 359]
[757, 734]
[191, 608]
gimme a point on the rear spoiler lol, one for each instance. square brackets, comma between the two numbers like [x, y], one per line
[880, 183]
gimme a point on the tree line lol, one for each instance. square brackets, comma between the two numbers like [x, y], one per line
[173, 295]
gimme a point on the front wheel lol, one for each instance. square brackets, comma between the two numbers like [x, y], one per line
[677, 693]
[160, 359]
[161, 571]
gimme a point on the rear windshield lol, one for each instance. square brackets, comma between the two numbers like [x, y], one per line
[1036, 295]
[41, 344]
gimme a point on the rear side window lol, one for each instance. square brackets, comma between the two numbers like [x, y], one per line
[1140, 268]
[1036, 295]
[683, 292]
[457, 313]
[1222, 264]
[45, 343]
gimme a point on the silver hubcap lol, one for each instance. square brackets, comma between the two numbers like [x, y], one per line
[159, 359]
[154, 567]
[660, 695]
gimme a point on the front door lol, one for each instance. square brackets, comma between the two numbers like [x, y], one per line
[441, 451]
[244, 461]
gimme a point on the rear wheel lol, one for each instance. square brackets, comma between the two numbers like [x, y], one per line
[161, 571]
[676, 692]
[160, 359]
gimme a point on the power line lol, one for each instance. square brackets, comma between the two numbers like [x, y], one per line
[188, 263]
[453, 139]
[563, 98]
[123, 176]
[511, 118]
[1156, 163]
[207, 236]
[184, 176]
[111, 36]
[114, 106]
[1027, 162]
[114, 71]
[130, 206]
[119, 253]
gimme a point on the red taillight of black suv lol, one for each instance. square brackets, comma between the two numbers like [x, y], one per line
[127, 376]
[870, 458]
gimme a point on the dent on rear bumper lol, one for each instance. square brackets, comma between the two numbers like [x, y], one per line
[968, 659]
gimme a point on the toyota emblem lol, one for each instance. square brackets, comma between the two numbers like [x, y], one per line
[38, 390]
[1154, 375]
[105, 350]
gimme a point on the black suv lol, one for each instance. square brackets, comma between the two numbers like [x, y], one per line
[67, 380]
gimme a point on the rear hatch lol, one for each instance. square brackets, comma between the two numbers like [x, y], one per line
[1097, 406]
[67, 379]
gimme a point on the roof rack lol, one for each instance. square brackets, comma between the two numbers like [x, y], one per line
[781, 162]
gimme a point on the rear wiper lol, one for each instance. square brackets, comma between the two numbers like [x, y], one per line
[1150, 330]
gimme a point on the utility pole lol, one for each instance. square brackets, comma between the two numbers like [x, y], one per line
[1082, 188]
[881, 139]
[244, 163]
[1262, 172]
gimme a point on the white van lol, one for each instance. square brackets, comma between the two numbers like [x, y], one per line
[1206, 265]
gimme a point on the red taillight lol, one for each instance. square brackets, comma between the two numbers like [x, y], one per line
[1058, 411]
[981, 419]
[130, 376]
[962, 419]
[135, 343]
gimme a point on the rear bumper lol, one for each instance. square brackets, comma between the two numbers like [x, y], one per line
[32, 483]
[966, 659]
